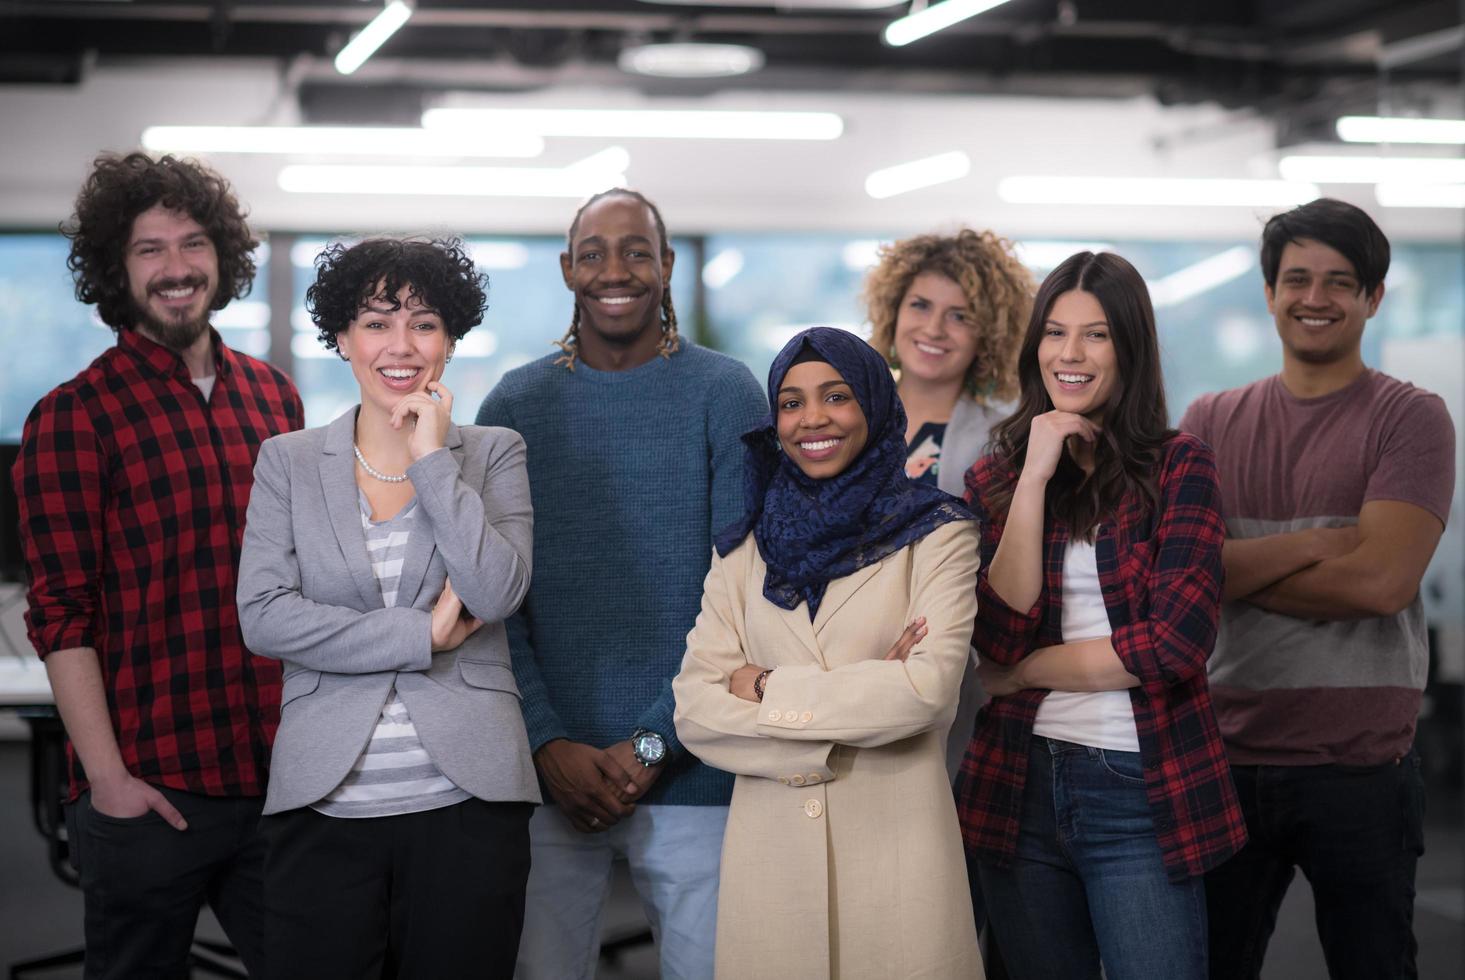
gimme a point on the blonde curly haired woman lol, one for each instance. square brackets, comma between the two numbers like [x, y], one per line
[948, 312]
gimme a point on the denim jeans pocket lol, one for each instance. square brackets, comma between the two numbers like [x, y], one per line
[1125, 766]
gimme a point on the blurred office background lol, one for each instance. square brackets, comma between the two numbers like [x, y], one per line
[784, 140]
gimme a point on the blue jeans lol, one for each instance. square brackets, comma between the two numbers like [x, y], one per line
[674, 853]
[1088, 884]
[1357, 833]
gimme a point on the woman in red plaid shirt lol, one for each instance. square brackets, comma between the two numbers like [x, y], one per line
[1095, 791]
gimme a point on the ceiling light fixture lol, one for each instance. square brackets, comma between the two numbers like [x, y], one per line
[722, 268]
[592, 175]
[936, 17]
[1203, 276]
[1155, 191]
[1372, 169]
[690, 59]
[1400, 129]
[1411, 195]
[925, 172]
[339, 141]
[640, 123]
[372, 36]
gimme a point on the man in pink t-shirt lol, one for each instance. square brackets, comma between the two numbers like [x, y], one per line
[1336, 482]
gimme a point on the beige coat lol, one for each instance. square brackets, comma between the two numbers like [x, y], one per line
[842, 857]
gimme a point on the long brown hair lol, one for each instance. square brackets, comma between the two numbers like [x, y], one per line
[1128, 453]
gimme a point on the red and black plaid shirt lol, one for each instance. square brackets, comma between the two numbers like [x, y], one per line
[132, 492]
[1161, 578]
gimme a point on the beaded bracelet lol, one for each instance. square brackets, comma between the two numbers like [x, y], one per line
[758, 683]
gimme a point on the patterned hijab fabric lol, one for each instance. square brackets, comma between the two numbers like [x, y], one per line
[811, 531]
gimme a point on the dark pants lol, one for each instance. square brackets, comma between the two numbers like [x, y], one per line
[436, 895]
[1356, 833]
[1088, 884]
[144, 883]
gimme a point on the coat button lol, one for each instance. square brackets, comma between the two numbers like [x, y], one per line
[806, 717]
[813, 809]
[775, 716]
[814, 777]
[796, 779]
[783, 779]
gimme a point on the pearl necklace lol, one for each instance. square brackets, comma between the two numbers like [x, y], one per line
[373, 471]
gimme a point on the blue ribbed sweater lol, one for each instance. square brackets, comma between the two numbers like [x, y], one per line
[631, 474]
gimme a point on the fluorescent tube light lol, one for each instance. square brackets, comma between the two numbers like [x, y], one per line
[577, 180]
[641, 123]
[722, 268]
[372, 36]
[1400, 129]
[690, 60]
[612, 159]
[339, 141]
[936, 17]
[925, 172]
[1203, 276]
[242, 314]
[1412, 195]
[1372, 169]
[1155, 191]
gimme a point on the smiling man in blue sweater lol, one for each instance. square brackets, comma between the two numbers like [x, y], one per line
[635, 462]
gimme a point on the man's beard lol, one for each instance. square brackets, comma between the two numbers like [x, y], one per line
[172, 332]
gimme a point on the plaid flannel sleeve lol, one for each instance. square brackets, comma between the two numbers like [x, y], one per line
[1172, 643]
[59, 486]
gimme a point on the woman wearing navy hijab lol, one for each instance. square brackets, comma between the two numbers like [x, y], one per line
[823, 671]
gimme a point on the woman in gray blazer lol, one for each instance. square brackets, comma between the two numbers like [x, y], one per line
[381, 555]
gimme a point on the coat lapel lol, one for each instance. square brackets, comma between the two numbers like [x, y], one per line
[338, 484]
[421, 545]
[795, 620]
[840, 591]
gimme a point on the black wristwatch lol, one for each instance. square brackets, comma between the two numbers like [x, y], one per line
[648, 747]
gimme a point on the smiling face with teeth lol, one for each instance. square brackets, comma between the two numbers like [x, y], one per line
[820, 425]
[1319, 305]
[172, 276]
[935, 338]
[1077, 357]
[394, 351]
[618, 268]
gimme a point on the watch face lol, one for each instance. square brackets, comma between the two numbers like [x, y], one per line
[650, 748]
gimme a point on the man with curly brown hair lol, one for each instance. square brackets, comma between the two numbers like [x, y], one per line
[133, 480]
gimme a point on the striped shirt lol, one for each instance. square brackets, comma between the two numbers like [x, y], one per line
[393, 775]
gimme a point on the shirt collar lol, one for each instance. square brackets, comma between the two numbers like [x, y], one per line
[168, 363]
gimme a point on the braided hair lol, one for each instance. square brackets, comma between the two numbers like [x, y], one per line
[569, 344]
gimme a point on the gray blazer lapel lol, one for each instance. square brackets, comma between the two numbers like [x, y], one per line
[421, 545]
[338, 484]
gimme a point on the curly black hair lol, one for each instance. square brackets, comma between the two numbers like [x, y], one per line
[121, 187]
[439, 273]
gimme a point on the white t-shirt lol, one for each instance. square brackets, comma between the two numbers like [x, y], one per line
[1102, 719]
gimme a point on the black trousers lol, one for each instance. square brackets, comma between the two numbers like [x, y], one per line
[144, 883]
[432, 895]
[1357, 833]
